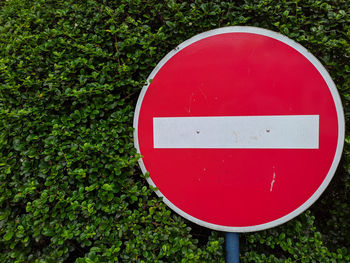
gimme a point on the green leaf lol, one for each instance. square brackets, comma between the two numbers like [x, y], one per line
[8, 235]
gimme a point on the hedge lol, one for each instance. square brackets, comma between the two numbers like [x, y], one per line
[70, 186]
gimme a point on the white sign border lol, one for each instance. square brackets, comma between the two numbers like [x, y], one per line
[337, 101]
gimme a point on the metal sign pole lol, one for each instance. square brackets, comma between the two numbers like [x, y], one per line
[232, 247]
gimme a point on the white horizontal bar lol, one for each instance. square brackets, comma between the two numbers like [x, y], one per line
[253, 132]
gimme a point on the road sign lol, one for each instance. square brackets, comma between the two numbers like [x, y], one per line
[240, 128]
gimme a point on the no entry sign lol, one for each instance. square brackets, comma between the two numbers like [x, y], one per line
[240, 128]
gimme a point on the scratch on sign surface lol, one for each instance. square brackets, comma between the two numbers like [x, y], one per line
[236, 136]
[273, 181]
[189, 107]
[205, 96]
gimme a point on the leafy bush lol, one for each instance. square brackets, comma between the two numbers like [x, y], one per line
[70, 75]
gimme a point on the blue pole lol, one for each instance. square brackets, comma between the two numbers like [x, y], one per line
[232, 247]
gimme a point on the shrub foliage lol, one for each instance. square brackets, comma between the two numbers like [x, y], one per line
[70, 75]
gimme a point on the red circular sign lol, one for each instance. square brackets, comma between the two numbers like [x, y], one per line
[240, 129]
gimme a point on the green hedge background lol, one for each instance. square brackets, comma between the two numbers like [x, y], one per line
[70, 186]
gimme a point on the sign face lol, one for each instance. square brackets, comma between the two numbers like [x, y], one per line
[240, 128]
